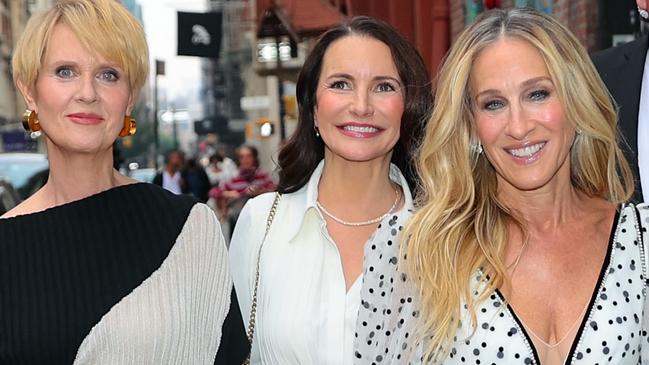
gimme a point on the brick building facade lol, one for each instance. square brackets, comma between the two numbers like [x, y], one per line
[432, 25]
[590, 20]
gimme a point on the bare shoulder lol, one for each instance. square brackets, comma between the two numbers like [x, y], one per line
[33, 204]
[599, 214]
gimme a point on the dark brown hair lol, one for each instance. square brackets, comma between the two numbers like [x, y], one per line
[253, 150]
[304, 150]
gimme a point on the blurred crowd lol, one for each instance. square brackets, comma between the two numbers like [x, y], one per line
[220, 182]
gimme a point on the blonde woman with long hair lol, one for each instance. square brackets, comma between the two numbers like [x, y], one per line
[523, 250]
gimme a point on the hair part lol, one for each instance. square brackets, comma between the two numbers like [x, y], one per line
[104, 27]
[299, 157]
[461, 225]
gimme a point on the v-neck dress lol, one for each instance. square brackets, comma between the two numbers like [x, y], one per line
[612, 330]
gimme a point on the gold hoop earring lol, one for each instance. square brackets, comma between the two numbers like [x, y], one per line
[130, 127]
[31, 123]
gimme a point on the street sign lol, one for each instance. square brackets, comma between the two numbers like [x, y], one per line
[199, 34]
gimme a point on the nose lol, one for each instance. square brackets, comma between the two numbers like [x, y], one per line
[362, 103]
[520, 124]
[87, 92]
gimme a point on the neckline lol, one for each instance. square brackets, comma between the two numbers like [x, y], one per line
[354, 288]
[73, 203]
[604, 269]
[565, 335]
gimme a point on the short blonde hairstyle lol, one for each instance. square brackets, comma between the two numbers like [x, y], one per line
[462, 225]
[103, 27]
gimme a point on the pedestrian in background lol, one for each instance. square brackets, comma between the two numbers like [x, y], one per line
[171, 177]
[250, 181]
[363, 96]
[221, 168]
[196, 180]
[95, 267]
[522, 250]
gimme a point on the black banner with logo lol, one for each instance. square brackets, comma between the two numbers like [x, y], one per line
[199, 34]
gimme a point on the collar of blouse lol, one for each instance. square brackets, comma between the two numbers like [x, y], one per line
[305, 198]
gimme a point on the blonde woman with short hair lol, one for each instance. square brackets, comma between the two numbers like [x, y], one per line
[96, 268]
[523, 250]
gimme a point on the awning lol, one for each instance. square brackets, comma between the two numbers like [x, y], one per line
[296, 18]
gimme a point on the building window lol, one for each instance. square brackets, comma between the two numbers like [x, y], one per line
[543, 5]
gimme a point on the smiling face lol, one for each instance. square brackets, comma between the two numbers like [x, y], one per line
[360, 100]
[519, 118]
[80, 98]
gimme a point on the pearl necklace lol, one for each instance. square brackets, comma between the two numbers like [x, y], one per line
[364, 223]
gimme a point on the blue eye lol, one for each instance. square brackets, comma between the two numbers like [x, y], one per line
[539, 95]
[64, 72]
[109, 75]
[493, 105]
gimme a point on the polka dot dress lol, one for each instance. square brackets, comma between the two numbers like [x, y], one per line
[613, 330]
[387, 304]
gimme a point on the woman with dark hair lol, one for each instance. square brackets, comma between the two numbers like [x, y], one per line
[363, 95]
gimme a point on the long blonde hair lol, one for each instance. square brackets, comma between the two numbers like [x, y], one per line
[461, 225]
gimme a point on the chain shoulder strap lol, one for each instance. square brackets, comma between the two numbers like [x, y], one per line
[253, 306]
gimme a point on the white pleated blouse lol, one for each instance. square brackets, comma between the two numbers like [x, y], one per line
[175, 315]
[304, 313]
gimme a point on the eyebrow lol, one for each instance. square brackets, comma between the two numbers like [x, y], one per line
[524, 84]
[343, 75]
[76, 63]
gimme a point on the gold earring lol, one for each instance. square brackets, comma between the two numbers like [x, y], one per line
[31, 123]
[130, 127]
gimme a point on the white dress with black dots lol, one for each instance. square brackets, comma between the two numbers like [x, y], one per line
[305, 314]
[613, 331]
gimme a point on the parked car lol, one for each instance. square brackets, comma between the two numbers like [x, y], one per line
[144, 174]
[27, 172]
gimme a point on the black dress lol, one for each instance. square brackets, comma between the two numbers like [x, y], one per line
[64, 270]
